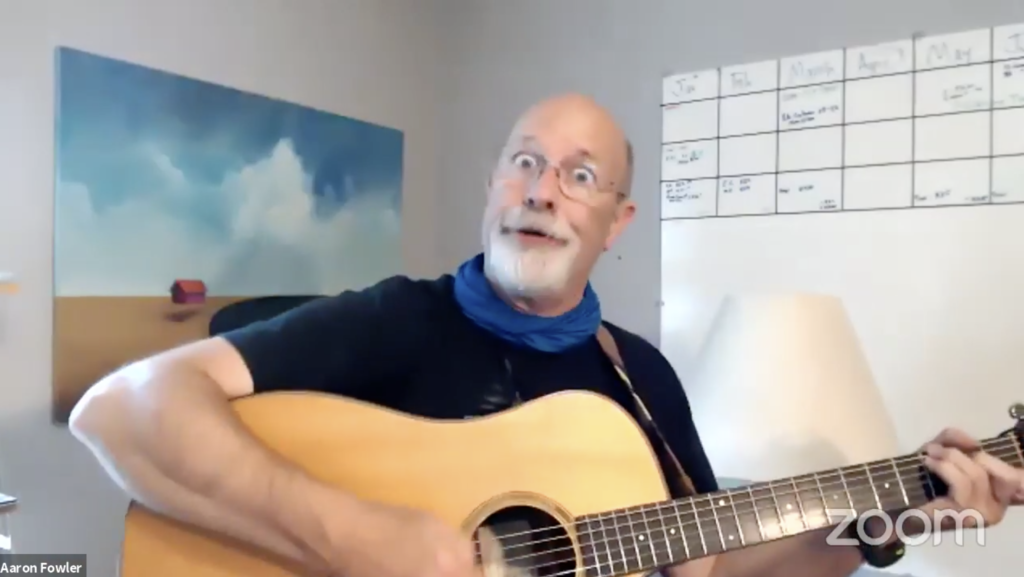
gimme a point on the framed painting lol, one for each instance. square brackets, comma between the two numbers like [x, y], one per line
[175, 197]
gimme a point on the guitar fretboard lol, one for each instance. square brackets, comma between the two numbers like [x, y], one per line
[648, 537]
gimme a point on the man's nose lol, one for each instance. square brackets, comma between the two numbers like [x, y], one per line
[542, 192]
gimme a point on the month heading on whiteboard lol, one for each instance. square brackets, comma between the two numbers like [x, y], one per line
[923, 122]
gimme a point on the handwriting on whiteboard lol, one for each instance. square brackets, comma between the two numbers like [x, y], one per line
[1011, 44]
[967, 96]
[691, 86]
[820, 105]
[747, 78]
[816, 191]
[688, 199]
[810, 190]
[954, 49]
[1008, 89]
[946, 195]
[681, 191]
[812, 69]
[768, 137]
[889, 58]
[683, 154]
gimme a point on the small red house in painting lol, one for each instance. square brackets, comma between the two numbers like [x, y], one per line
[188, 292]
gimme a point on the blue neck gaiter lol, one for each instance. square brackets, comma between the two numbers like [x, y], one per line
[484, 307]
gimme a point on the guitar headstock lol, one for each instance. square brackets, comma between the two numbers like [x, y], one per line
[1017, 414]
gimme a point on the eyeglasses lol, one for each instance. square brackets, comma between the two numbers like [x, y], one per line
[577, 179]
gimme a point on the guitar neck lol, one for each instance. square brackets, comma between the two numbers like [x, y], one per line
[648, 537]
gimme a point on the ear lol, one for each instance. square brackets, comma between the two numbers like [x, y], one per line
[623, 216]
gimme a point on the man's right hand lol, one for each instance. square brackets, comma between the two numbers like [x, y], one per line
[388, 541]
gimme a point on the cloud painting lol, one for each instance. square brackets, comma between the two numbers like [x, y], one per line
[160, 178]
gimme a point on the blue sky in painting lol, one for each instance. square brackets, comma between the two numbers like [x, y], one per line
[162, 177]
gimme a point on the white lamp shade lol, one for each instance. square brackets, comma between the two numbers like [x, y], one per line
[782, 388]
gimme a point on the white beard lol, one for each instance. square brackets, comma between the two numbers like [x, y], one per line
[528, 272]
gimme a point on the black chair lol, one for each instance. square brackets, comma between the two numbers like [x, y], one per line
[244, 313]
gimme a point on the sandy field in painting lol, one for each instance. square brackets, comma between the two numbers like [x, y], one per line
[95, 335]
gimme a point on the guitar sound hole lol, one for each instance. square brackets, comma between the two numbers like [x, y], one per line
[532, 541]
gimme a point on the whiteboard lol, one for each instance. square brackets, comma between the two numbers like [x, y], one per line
[933, 283]
[928, 122]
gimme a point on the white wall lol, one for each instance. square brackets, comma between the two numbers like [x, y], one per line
[370, 59]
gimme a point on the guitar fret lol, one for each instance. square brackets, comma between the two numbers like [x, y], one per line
[669, 545]
[778, 510]
[729, 524]
[799, 502]
[631, 537]
[874, 490]
[739, 522]
[682, 528]
[649, 537]
[607, 537]
[824, 500]
[700, 530]
[1019, 449]
[788, 505]
[846, 489]
[614, 530]
[638, 528]
[592, 538]
[757, 514]
[718, 526]
[899, 479]
[768, 515]
[813, 503]
[894, 495]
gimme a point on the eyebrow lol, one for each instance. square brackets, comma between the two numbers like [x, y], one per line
[582, 153]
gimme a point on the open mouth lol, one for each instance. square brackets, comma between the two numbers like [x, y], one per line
[533, 235]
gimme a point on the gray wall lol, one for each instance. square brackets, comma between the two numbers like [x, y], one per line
[452, 73]
[369, 59]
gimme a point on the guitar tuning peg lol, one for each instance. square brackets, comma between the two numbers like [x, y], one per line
[1017, 411]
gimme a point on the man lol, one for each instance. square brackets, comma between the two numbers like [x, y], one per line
[515, 323]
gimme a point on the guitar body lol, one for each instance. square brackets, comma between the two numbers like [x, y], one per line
[567, 454]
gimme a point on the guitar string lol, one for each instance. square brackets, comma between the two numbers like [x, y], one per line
[651, 542]
[689, 536]
[657, 512]
[656, 548]
[898, 465]
[773, 508]
[698, 535]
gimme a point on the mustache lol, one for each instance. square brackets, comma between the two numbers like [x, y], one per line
[520, 220]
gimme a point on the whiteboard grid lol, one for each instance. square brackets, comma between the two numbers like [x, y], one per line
[929, 122]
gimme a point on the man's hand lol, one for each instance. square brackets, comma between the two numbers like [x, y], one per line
[977, 481]
[388, 541]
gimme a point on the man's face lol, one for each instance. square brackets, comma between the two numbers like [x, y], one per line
[555, 202]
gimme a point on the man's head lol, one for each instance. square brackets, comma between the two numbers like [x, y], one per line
[558, 198]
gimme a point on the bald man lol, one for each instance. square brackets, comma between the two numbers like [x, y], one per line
[515, 323]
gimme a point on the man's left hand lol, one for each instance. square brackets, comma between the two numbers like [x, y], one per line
[977, 480]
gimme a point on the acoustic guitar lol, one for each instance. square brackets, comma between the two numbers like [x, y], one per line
[573, 464]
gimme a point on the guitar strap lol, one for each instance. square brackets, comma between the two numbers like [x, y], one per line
[683, 482]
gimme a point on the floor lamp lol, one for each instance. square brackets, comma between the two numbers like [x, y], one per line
[782, 387]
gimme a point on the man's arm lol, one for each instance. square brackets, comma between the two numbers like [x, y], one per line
[164, 430]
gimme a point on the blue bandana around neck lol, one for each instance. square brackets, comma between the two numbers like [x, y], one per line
[484, 307]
